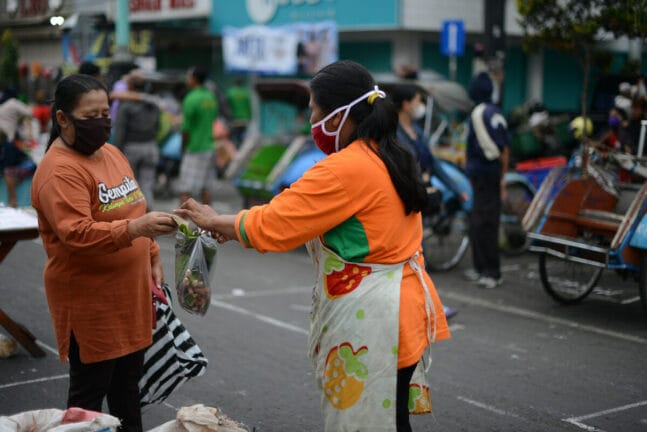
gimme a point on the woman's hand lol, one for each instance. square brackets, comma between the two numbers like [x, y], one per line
[221, 227]
[151, 225]
[201, 214]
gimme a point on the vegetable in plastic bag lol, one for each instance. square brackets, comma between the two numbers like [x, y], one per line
[195, 253]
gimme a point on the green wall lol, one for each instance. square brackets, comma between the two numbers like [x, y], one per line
[563, 79]
[374, 56]
[516, 73]
[434, 60]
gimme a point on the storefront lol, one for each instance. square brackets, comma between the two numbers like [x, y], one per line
[392, 33]
[178, 30]
[38, 39]
[383, 37]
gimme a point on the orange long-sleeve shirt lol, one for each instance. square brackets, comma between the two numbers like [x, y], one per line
[97, 281]
[349, 201]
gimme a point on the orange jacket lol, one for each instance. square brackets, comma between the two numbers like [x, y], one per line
[97, 281]
[349, 201]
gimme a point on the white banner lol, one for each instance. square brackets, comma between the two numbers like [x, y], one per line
[300, 48]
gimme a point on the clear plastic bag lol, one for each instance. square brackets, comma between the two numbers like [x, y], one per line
[195, 253]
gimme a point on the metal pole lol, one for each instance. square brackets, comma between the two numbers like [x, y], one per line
[641, 141]
[122, 32]
[452, 67]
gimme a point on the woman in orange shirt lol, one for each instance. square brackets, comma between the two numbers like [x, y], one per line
[375, 309]
[101, 259]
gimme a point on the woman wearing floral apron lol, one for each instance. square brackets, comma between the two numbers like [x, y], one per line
[375, 309]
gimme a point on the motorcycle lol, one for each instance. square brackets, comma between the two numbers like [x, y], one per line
[445, 233]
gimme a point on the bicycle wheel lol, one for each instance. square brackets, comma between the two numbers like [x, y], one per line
[512, 237]
[568, 282]
[445, 240]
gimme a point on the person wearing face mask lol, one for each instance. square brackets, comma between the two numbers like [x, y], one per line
[101, 256]
[375, 308]
[616, 121]
[409, 103]
[411, 108]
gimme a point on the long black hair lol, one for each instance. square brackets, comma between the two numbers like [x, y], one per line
[403, 92]
[68, 92]
[340, 83]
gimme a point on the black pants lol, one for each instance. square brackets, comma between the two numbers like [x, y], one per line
[402, 399]
[116, 379]
[484, 225]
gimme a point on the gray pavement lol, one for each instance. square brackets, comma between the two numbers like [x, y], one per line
[516, 361]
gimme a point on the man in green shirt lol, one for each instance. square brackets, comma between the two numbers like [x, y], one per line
[199, 111]
[239, 101]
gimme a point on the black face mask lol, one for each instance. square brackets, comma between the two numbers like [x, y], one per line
[89, 134]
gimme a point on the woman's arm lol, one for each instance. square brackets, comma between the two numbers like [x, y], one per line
[64, 200]
[222, 227]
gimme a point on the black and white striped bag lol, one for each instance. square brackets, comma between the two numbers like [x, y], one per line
[172, 359]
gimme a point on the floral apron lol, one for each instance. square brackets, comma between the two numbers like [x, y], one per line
[354, 342]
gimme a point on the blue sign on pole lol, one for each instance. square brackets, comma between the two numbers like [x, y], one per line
[452, 38]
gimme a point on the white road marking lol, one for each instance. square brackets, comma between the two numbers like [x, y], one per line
[488, 407]
[263, 318]
[300, 308]
[583, 426]
[239, 292]
[577, 421]
[630, 300]
[526, 313]
[510, 268]
[33, 381]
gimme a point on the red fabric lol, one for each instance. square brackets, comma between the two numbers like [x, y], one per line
[43, 114]
[76, 415]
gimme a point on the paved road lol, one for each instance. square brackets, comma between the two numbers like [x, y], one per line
[516, 362]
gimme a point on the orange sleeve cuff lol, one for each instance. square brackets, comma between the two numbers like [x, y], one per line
[119, 233]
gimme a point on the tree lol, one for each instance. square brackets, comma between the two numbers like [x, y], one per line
[576, 26]
[625, 18]
[9, 59]
[570, 26]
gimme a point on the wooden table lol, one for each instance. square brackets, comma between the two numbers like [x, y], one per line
[12, 230]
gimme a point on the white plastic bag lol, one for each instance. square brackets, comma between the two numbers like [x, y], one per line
[199, 418]
[49, 420]
[8, 346]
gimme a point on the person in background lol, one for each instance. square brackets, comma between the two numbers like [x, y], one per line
[12, 112]
[488, 150]
[89, 68]
[101, 256]
[629, 135]
[408, 101]
[42, 112]
[478, 61]
[199, 111]
[616, 121]
[240, 104]
[15, 165]
[375, 308]
[119, 86]
[623, 99]
[135, 133]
